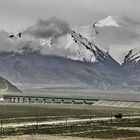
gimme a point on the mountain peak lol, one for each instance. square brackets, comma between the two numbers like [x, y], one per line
[115, 20]
[108, 21]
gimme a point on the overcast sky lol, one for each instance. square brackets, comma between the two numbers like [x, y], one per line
[18, 14]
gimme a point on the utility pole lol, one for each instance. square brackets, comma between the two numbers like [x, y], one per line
[138, 91]
[37, 125]
[129, 119]
[1, 128]
[66, 121]
[111, 119]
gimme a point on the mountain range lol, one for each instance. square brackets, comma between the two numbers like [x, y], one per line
[102, 55]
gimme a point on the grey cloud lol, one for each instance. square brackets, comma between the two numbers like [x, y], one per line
[53, 27]
[16, 44]
[5, 43]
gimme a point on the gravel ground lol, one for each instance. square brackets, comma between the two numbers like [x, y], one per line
[49, 137]
[42, 137]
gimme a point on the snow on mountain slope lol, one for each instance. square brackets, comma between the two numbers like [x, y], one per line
[116, 34]
[109, 21]
[116, 21]
[132, 62]
[100, 55]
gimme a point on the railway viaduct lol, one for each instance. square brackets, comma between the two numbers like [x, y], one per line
[47, 99]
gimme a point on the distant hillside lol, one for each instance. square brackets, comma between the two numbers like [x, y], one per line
[6, 86]
[33, 68]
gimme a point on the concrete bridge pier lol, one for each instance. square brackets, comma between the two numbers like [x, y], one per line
[10, 100]
[14, 100]
[72, 102]
[52, 101]
[23, 100]
[62, 101]
[29, 100]
[36, 100]
[18, 100]
[44, 101]
[84, 102]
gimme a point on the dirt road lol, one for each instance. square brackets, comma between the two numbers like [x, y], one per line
[61, 122]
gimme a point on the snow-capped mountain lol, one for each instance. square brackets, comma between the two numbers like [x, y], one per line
[116, 34]
[116, 21]
[87, 56]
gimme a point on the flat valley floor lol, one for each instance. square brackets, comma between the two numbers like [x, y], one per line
[50, 137]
